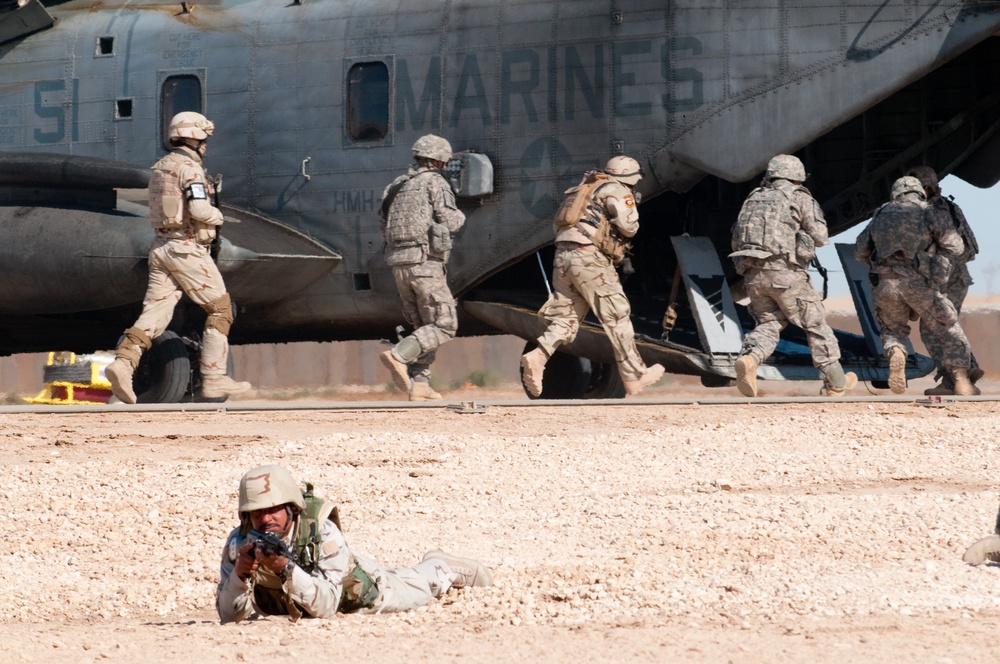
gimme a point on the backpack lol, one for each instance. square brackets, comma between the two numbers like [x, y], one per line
[579, 199]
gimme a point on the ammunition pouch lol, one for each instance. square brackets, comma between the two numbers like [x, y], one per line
[609, 242]
[203, 233]
[407, 254]
[359, 591]
[439, 242]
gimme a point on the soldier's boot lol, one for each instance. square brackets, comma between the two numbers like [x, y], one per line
[422, 391]
[215, 386]
[648, 377]
[119, 373]
[746, 375]
[942, 390]
[836, 383]
[975, 375]
[532, 369]
[963, 386]
[470, 572]
[897, 370]
[397, 360]
[986, 549]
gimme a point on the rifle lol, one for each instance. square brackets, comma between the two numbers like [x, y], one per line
[269, 545]
[216, 246]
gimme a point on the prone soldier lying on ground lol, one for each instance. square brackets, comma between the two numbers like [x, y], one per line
[289, 557]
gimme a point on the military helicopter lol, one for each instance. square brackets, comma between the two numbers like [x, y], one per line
[317, 102]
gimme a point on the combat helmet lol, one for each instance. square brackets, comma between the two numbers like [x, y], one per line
[190, 125]
[907, 185]
[432, 147]
[268, 486]
[785, 167]
[927, 176]
[624, 169]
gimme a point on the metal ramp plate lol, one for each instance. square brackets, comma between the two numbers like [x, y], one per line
[861, 290]
[711, 302]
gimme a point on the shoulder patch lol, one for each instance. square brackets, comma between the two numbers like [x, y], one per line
[197, 191]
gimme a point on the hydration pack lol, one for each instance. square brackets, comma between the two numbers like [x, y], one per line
[579, 202]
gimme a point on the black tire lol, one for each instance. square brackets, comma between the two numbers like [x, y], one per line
[716, 381]
[164, 371]
[570, 377]
[605, 382]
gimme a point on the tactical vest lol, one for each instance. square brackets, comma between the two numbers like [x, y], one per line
[359, 589]
[765, 226]
[581, 208]
[900, 235]
[409, 220]
[166, 200]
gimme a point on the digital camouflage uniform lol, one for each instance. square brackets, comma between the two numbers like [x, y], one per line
[424, 201]
[899, 244]
[957, 286]
[780, 225]
[585, 279]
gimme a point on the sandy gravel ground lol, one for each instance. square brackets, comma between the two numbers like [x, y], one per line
[644, 533]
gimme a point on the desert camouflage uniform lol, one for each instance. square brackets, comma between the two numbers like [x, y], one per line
[958, 283]
[180, 263]
[902, 290]
[777, 281]
[320, 593]
[585, 279]
[428, 305]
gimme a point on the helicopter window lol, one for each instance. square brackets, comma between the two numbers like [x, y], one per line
[179, 93]
[105, 47]
[368, 101]
[123, 109]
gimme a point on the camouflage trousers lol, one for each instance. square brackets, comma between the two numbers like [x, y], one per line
[184, 267]
[429, 307]
[406, 588]
[780, 297]
[956, 290]
[897, 296]
[582, 281]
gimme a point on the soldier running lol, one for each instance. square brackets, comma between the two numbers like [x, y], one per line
[180, 263]
[774, 239]
[957, 285]
[418, 217]
[592, 228]
[907, 249]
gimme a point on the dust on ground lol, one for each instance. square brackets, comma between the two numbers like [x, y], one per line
[825, 532]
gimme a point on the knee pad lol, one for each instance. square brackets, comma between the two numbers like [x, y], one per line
[220, 314]
[138, 337]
